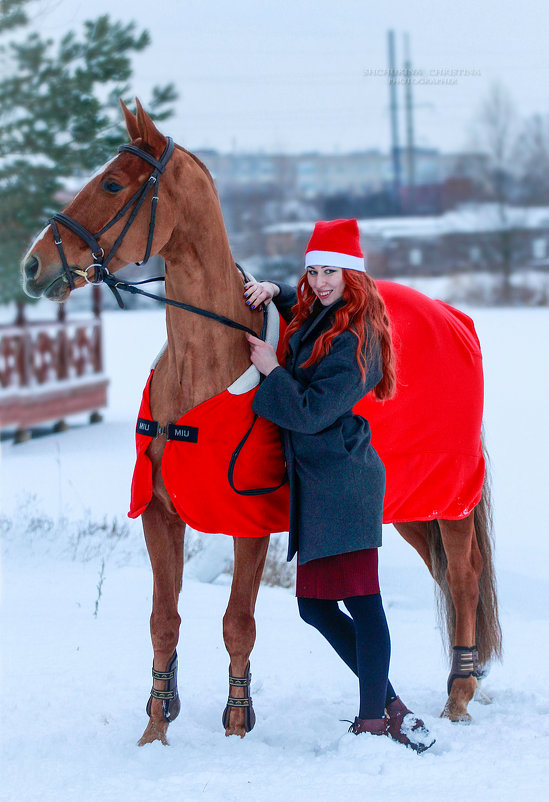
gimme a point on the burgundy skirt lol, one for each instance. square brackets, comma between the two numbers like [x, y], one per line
[340, 576]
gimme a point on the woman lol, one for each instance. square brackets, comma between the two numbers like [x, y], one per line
[337, 348]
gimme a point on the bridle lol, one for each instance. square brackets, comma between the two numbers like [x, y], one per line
[100, 260]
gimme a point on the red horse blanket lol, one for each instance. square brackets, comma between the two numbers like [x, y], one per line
[196, 474]
[428, 435]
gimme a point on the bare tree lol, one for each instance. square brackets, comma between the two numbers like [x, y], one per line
[532, 158]
[495, 133]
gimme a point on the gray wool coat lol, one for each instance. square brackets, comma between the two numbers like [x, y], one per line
[337, 480]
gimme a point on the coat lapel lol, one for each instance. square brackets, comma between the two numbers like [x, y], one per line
[316, 323]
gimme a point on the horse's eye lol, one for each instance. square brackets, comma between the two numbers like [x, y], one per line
[112, 186]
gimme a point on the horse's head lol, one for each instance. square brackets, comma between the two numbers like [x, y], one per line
[87, 233]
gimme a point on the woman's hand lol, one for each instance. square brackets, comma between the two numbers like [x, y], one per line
[256, 293]
[262, 355]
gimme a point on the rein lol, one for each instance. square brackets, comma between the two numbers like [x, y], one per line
[133, 287]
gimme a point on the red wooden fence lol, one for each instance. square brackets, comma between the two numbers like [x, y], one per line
[50, 370]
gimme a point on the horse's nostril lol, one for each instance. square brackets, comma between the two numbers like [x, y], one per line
[32, 266]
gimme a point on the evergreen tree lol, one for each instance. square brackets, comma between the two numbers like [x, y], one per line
[59, 118]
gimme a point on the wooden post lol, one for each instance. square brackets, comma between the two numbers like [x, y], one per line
[98, 344]
[96, 300]
[20, 319]
[61, 426]
[63, 346]
[24, 366]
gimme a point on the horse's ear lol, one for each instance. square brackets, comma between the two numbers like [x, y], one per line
[148, 130]
[131, 121]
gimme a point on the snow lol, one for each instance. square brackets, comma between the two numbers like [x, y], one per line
[480, 287]
[76, 654]
[468, 218]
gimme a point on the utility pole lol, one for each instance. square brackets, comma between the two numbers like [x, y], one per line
[409, 110]
[393, 105]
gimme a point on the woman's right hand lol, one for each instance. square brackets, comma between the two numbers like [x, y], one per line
[259, 292]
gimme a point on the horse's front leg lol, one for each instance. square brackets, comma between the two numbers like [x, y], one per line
[239, 631]
[463, 575]
[164, 535]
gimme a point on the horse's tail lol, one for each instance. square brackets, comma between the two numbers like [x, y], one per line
[488, 629]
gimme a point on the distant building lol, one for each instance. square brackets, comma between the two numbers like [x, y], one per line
[441, 179]
[471, 237]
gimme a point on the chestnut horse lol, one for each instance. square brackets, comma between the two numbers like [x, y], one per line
[183, 222]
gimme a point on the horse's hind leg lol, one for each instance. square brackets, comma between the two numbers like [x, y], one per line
[451, 553]
[462, 574]
[164, 535]
[416, 533]
[239, 629]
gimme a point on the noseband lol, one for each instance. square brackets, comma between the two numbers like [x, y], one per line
[100, 261]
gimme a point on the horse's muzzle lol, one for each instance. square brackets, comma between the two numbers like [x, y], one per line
[36, 286]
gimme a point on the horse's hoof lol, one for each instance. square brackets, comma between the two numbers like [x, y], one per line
[155, 731]
[455, 712]
[462, 690]
[236, 731]
[238, 721]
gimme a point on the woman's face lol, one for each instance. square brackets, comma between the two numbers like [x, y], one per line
[326, 282]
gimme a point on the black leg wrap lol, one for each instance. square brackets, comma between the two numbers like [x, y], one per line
[464, 664]
[170, 697]
[245, 703]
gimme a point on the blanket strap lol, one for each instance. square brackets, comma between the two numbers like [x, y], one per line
[257, 491]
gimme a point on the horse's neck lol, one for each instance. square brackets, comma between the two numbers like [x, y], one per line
[203, 356]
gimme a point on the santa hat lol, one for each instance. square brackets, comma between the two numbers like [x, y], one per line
[336, 243]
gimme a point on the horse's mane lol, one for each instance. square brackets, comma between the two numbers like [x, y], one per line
[200, 164]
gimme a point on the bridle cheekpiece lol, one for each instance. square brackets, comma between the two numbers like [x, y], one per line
[100, 261]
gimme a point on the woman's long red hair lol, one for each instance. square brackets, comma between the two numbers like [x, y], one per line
[363, 313]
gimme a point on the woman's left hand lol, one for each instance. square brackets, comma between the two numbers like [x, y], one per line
[262, 355]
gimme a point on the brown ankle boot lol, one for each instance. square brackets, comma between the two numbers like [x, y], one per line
[406, 728]
[375, 726]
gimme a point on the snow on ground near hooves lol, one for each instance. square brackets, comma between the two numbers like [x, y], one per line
[74, 684]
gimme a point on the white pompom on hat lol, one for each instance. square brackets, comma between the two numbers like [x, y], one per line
[336, 243]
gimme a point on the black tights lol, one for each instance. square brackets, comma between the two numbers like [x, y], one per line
[361, 640]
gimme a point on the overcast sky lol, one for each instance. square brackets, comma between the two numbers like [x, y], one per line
[297, 75]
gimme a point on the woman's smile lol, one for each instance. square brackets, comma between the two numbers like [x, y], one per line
[326, 282]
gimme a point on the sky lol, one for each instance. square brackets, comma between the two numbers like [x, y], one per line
[302, 75]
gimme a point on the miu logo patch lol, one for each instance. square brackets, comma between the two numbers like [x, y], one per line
[151, 428]
[147, 427]
[187, 433]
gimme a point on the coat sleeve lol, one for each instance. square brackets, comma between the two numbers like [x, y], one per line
[286, 298]
[334, 389]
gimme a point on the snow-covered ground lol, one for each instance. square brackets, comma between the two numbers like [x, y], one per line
[76, 655]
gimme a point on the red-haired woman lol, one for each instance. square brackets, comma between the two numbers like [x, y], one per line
[337, 348]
